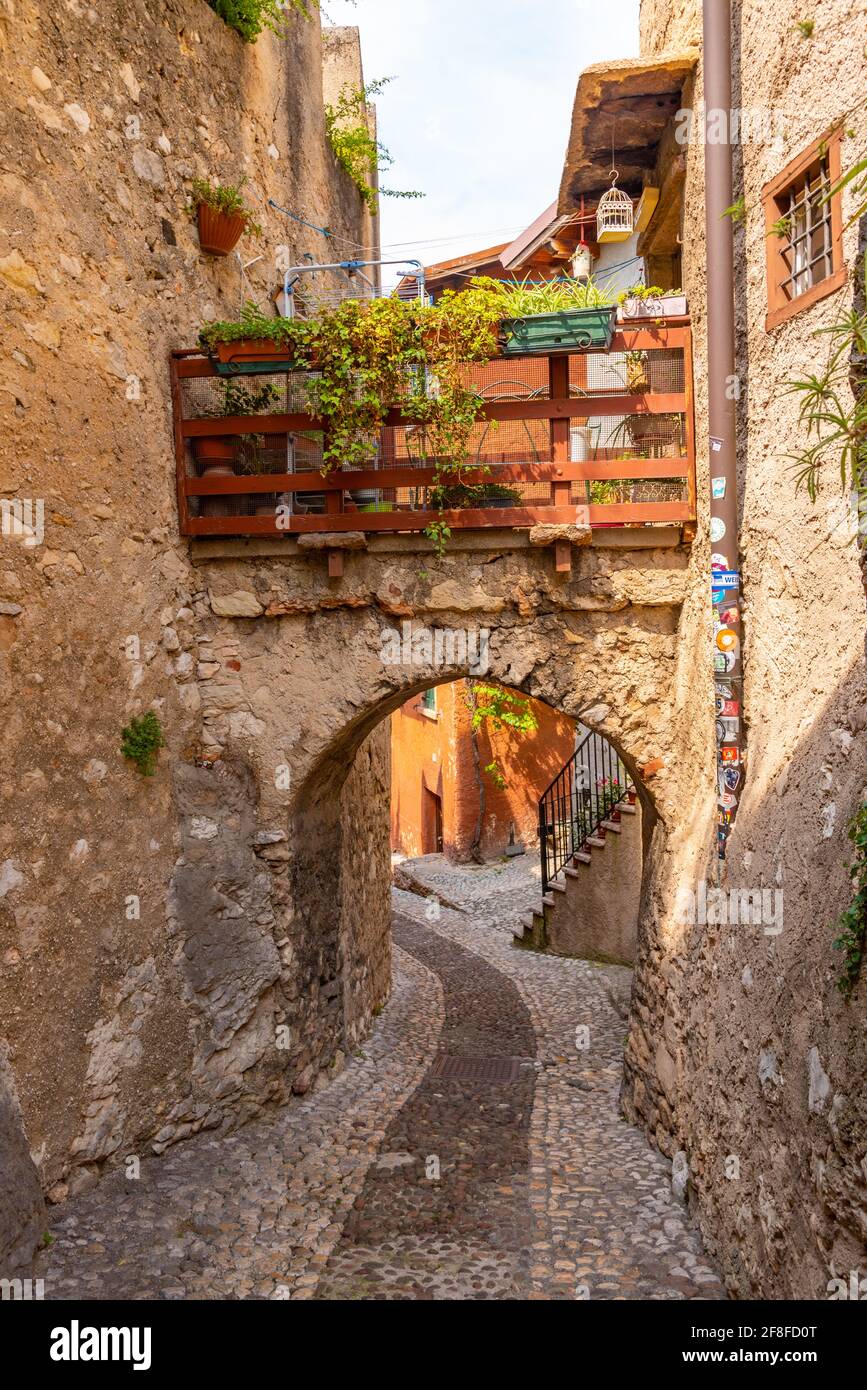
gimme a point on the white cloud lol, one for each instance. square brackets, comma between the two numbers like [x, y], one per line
[478, 114]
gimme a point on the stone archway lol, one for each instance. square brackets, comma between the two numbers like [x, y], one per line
[292, 771]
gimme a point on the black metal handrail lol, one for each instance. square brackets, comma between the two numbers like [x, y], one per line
[582, 795]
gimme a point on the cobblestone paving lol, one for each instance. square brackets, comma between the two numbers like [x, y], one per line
[256, 1213]
[606, 1223]
[461, 1229]
[543, 1190]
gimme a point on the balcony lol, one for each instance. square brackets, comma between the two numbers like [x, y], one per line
[601, 438]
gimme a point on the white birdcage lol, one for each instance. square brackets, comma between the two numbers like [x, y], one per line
[614, 214]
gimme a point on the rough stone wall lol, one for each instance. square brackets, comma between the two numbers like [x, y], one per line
[742, 1052]
[142, 968]
[596, 917]
[22, 1209]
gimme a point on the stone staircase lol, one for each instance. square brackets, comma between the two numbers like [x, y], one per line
[568, 917]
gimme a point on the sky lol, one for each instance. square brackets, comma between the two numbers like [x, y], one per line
[478, 114]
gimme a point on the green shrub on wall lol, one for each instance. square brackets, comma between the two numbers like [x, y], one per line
[249, 17]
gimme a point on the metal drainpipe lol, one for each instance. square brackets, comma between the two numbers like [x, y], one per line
[725, 571]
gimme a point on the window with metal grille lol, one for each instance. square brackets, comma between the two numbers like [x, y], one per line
[803, 231]
[429, 699]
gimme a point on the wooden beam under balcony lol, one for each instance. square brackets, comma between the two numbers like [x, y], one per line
[620, 513]
[563, 408]
[352, 480]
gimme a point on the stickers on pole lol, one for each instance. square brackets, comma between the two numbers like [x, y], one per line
[717, 529]
[717, 487]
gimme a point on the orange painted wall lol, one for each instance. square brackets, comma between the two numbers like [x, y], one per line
[436, 754]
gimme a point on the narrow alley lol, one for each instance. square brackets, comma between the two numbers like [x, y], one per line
[513, 1177]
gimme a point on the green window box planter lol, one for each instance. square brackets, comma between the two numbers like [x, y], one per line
[574, 330]
[252, 355]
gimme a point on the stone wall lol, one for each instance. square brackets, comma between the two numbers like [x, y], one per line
[596, 917]
[742, 1053]
[146, 960]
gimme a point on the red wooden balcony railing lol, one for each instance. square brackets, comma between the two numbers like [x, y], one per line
[599, 437]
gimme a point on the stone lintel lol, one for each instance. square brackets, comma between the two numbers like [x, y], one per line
[207, 549]
[332, 540]
[570, 532]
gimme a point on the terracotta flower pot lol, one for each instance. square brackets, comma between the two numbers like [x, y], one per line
[219, 504]
[214, 449]
[218, 232]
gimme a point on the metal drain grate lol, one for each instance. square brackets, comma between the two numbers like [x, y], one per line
[475, 1068]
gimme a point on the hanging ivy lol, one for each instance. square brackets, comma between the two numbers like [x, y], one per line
[359, 154]
[370, 356]
[250, 17]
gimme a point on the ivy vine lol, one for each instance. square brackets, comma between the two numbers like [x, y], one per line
[357, 151]
[852, 924]
[370, 356]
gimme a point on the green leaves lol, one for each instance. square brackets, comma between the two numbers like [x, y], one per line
[347, 125]
[522, 298]
[501, 709]
[225, 198]
[250, 17]
[852, 924]
[833, 407]
[141, 740]
[738, 210]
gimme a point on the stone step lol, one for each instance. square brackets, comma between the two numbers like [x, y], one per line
[558, 887]
[579, 857]
[596, 841]
[626, 808]
[573, 873]
[613, 825]
[548, 900]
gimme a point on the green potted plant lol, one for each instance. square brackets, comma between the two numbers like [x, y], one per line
[222, 215]
[608, 793]
[457, 496]
[651, 302]
[570, 315]
[255, 342]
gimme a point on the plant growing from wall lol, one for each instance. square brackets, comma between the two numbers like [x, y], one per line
[141, 740]
[852, 924]
[501, 709]
[805, 27]
[738, 210]
[834, 405]
[356, 150]
[250, 17]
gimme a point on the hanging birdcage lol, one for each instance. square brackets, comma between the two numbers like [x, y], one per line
[614, 215]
